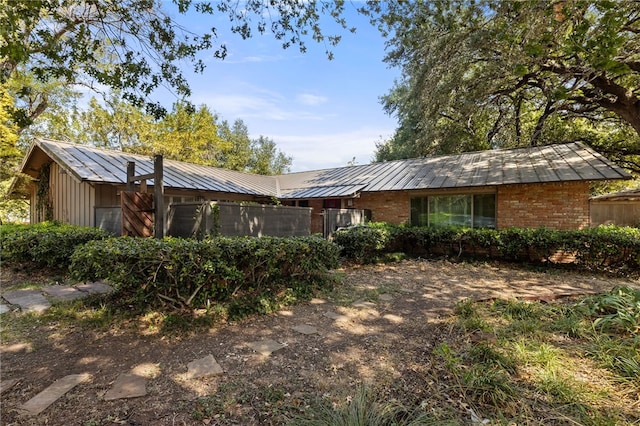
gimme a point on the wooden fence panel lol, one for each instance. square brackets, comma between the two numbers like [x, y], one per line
[137, 214]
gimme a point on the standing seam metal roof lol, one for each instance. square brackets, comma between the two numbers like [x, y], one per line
[551, 163]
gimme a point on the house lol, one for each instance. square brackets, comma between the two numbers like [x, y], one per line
[525, 187]
[619, 208]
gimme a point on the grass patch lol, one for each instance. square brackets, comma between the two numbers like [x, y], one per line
[574, 362]
[365, 409]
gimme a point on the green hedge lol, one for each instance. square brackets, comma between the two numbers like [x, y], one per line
[603, 247]
[185, 273]
[47, 244]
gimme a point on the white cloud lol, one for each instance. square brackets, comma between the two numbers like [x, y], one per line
[311, 100]
[327, 150]
[253, 102]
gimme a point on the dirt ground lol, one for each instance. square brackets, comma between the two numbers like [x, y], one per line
[390, 319]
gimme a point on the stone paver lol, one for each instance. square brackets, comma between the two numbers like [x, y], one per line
[386, 297]
[28, 300]
[203, 367]
[97, 287]
[41, 401]
[336, 317]
[63, 292]
[363, 304]
[5, 385]
[266, 347]
[35, 301]
[305, 329]
[127, 385]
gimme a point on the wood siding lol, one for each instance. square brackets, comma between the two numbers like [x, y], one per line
[72, 201]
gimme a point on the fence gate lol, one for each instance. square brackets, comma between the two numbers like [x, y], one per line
[137, 214]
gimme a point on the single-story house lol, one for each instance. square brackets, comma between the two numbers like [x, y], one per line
[618, 208]
[525, 187]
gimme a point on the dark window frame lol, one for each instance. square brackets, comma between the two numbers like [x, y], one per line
[420, 209]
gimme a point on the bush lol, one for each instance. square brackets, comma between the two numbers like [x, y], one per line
[185, 273]
[48, 244]
[604, 247]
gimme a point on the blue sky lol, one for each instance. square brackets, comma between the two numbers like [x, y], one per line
[322, 113]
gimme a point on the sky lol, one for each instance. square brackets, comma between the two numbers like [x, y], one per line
[321, 113]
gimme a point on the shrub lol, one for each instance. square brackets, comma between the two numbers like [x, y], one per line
[605, 247]
[185, 273]
[48, 244]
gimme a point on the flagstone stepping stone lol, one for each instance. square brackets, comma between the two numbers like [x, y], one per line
[127, 385]
[305, 329]
[4, 308]
[5, 385]
[363, 304]
[28, 300]
[63, 293]
[97, 287]
[386, 297]
[41, 401]
[266, 347]
[336, 317]
[203, 367]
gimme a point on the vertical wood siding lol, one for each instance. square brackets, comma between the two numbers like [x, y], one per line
[73, 201]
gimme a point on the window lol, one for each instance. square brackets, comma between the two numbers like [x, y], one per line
[477, 211]
[332, 203]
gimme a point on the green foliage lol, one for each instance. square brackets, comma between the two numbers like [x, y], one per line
[253, 274]
[484, 74]
[618, 311]
[500, 376]
[364, 409]
[49, 244]
[602, 248]
[136, 46]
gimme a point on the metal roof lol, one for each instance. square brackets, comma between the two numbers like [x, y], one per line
[90, 164]
[630, 195]
[551, 163]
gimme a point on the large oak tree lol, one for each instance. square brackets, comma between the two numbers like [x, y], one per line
[135, 46]
[490, 73]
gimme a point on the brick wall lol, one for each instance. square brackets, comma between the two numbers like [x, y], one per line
[553, 205]
[392, 207]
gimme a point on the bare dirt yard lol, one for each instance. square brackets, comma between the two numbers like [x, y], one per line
[378, 326]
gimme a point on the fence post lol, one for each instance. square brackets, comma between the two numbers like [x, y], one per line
[131, 172]
[158, 195]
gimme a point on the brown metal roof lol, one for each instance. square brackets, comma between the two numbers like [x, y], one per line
[629, 195]
[551, 163]
[90, 164]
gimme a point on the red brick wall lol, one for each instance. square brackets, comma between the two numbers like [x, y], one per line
[392, 207]
[553, 205]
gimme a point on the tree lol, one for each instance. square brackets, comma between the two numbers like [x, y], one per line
[186, 133]
[10, 155]
[259, 156]
[135, 46]
[484, 74]
[266, 159]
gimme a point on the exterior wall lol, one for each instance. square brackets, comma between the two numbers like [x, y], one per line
[616, 212]
[317, 221]
[562, 205]
[391, 207]
[73, 201]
